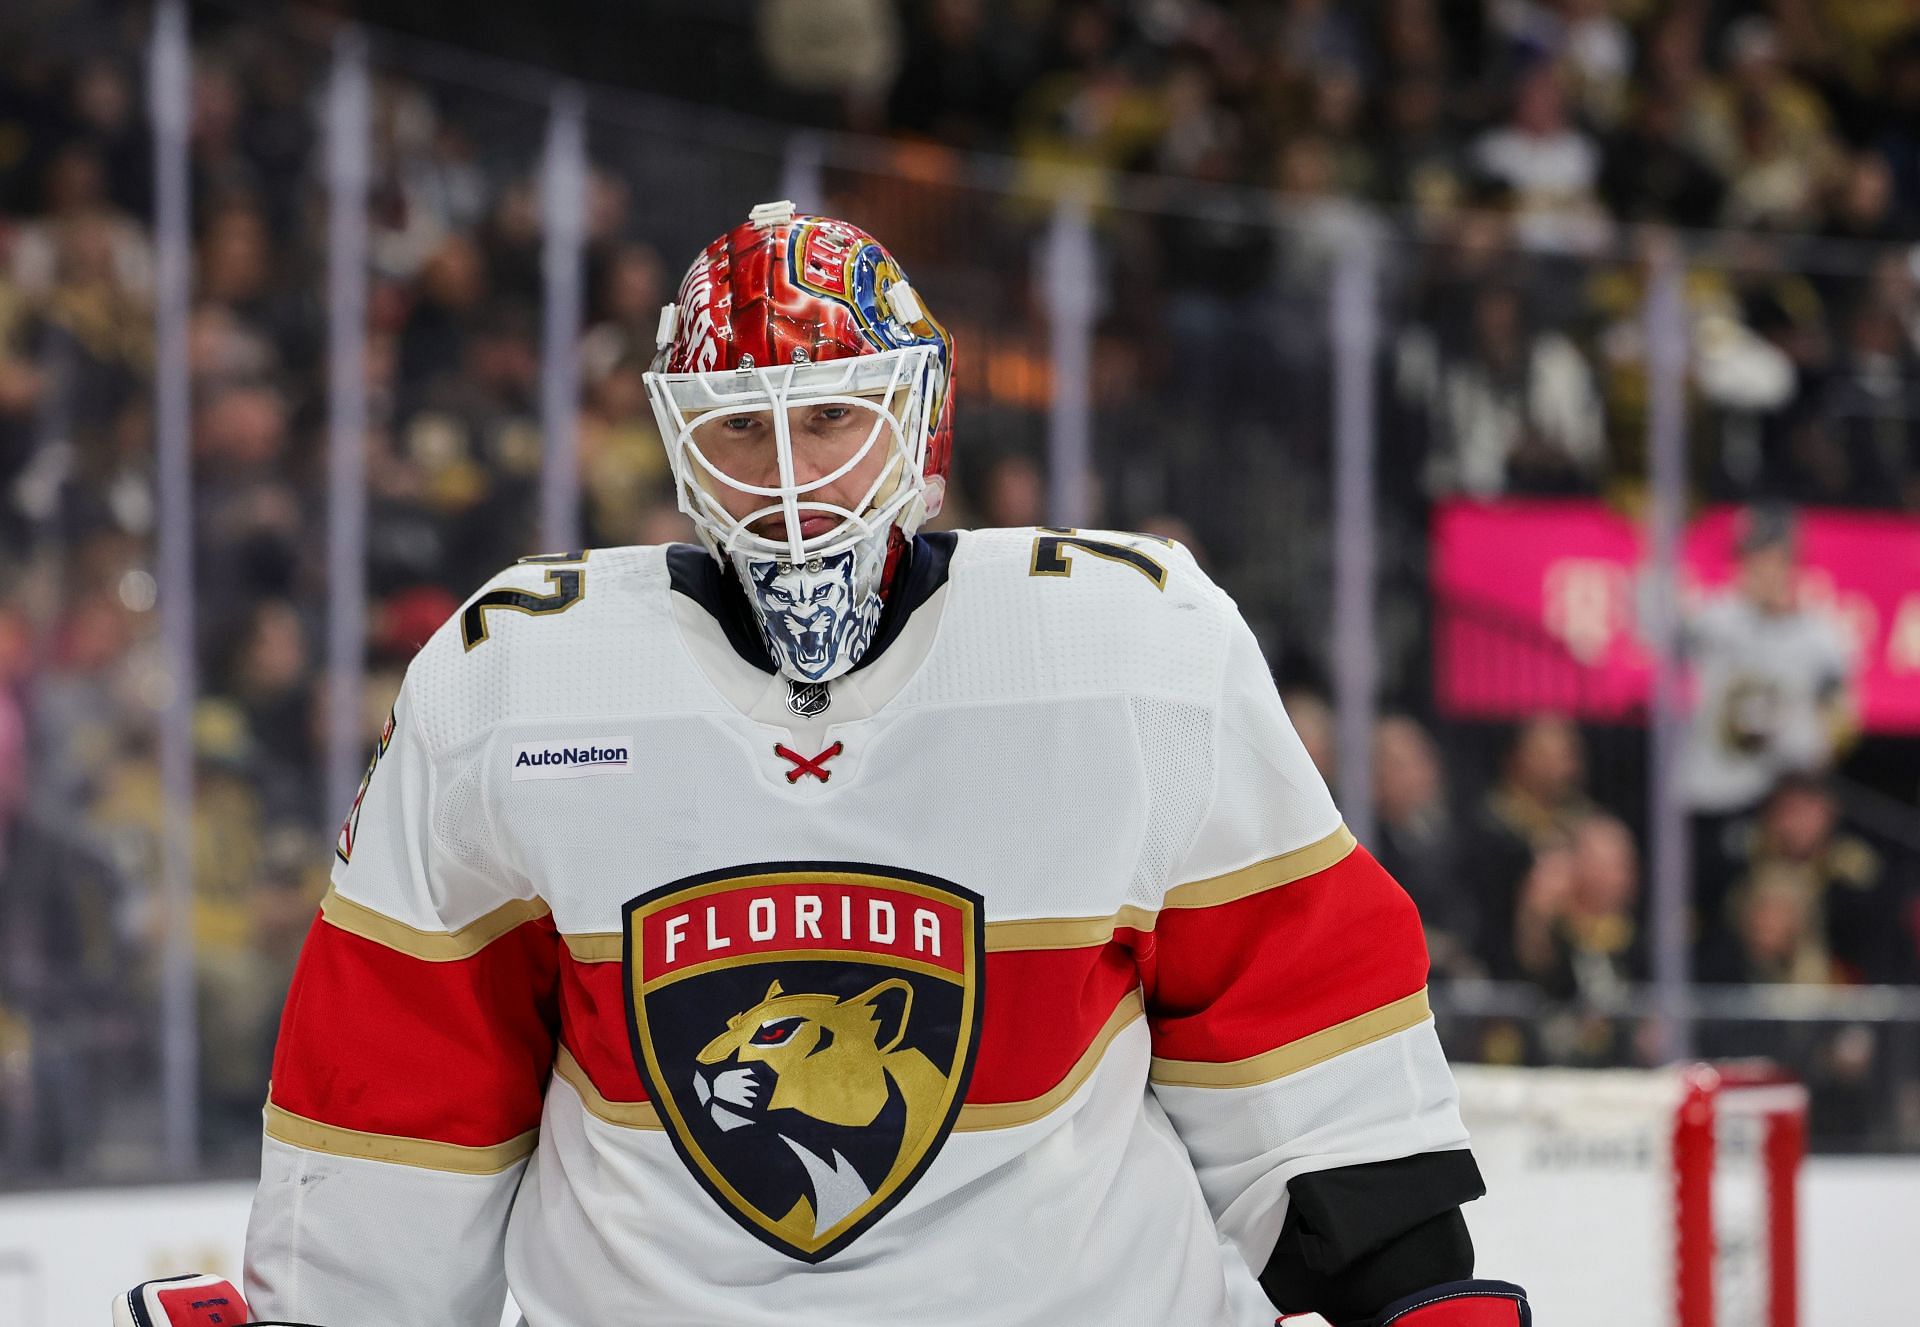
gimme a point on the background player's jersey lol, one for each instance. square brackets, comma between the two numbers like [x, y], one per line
[1012, 986]
[1765, 680]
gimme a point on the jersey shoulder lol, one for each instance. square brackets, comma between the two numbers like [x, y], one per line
[1108, 564]
[554, 634]
[1092, 609]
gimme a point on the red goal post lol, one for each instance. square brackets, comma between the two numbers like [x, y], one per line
[1664, 1197]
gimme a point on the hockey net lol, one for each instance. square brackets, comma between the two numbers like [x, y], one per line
[1664, 1197]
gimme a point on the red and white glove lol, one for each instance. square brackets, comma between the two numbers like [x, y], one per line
[1456, 1304]
[194, 1300]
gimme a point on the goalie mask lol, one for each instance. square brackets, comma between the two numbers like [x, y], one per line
[803, 393]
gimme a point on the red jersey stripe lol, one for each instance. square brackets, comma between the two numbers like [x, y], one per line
[1021, 1058]
[593, 1023]
[1243, 978]
[376, 1041]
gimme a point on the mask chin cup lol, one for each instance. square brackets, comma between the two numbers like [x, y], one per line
[818, 616]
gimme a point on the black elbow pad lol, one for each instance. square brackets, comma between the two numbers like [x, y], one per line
[1357, 1238]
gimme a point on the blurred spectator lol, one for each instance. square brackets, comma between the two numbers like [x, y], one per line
[623, 465]
[1863, 447]
[1313, 34]
[1532, 807]
[453, 284]
[957, 81]
[1414, 840]
[1774, 697]
[1014, 494]
[1511, 409]
[1575, 929]
[1896, 133]
[270, 681]
[1862, 204]
[847, 50]
[1762, 123]
[1541, 791]
[67, 1005]
[77, 196]
[1653, 174]
[1419, 158]
[1772, 184]
[1773, 935]
[1552, 166]
[1594, 44]
[1798, 840]
[630, 290]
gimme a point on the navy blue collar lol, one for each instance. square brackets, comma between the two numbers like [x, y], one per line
[694, 572]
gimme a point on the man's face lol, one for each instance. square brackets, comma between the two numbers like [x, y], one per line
[1548, 761]
[1774, 922]
[1766, 576]
[1800, 820]
[825, 437]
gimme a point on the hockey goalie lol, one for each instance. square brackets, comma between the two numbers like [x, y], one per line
[842, 923]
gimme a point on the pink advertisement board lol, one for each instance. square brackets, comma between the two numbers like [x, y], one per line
[1539, 603]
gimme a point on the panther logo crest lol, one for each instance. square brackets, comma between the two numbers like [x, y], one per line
[807, 1032]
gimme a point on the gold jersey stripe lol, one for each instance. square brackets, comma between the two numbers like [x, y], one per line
[1006, 1114]
[432, 946]
[1080, 932]
[1282, 870]
[626, 1114]
[1297, 1055]
[594, 946]
[299, 1131]
[1066, 932]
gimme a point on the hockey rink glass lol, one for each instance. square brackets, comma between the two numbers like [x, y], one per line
[890, 393]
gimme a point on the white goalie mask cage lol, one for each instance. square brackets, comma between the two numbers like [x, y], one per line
[894, 386]
[818, 597]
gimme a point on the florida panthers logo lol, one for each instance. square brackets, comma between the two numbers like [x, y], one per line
[807, 1032]
[809, 615]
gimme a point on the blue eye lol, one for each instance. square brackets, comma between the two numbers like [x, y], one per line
[821, 592]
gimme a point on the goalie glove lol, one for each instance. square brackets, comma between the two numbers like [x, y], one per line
[193, 1300]
[1456, 1304]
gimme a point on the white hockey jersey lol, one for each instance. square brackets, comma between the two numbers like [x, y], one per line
[1765, 682]
[1012, 986]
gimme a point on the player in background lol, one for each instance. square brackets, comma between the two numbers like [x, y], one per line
[840, 922]
[1775, 695]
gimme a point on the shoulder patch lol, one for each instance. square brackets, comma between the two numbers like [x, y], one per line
[350, 827]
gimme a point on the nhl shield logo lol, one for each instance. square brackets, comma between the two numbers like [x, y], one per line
[807, 1031]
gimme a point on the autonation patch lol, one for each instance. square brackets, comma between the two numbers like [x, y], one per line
[572, 760]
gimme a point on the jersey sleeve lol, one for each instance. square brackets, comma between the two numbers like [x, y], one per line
[1285, 979]
[415, 1045]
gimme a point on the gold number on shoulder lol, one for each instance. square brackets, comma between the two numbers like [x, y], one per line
[1050, 557]
[569, 588]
